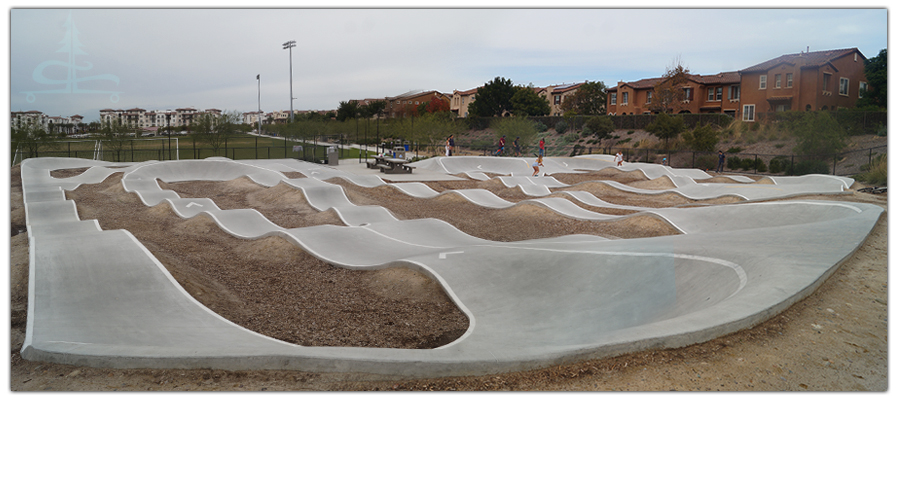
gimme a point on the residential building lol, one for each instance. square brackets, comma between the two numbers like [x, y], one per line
[557, 94]
[460, 101]
[48, 123]
[822, 80]
[405, 104]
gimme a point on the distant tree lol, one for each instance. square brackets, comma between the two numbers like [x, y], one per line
[819, 134]
[215, 130]
[512, 127]
[347, 110]
[436, 105]
[701, 138]
[666, 126]
[668, 94]
[600, 126]
[114, 136]
[876, 75]
[493, 99]
[374, 108]
[588, 99]
[526, 102]
[30, 139]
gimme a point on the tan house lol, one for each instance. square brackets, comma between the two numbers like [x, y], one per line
[557, 94]
[632, 98]
[460, 101]
[823, 80]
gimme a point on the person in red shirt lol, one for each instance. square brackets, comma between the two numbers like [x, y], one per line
[541, 147]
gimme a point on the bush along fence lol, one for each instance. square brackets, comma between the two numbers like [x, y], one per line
[849, 162]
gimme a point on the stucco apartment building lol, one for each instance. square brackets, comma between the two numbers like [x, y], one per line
[554, 94]
[823, 80]
[138, 117]
[20, 119]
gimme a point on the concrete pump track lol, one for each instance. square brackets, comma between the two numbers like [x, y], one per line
[100, 298]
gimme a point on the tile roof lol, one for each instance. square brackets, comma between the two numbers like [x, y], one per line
[819, 58]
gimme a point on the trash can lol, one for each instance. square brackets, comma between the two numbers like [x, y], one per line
[332, 156]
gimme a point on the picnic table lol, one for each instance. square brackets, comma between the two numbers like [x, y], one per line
[390, 165]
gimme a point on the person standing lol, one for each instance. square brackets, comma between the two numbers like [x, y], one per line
[536, 166]
[452, 144]
[619, 159]
[541, 147]
[721, 161]
[516, 145]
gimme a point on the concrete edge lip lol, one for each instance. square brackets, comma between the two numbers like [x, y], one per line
[585, 318]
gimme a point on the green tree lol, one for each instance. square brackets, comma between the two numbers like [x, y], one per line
[601, 126]
[666, 126]
[512, 127]
[526, 102]
[215, 130]
[30, 139]
[818, 133]
[493, 99]
[589, 99]
[374, 108]
[347, 110]
[114, 136]
[701, 138]
[876, 75]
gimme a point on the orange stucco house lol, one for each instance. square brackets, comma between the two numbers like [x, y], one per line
[828, 79]
[823, 80]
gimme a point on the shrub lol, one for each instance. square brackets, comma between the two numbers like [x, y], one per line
[572, 137]
[561, 127]
[540, 127]
[734, 163]
[779, 164]
[734, 150]
[701, 138]
[706, 162]
[882, 131]
[875, 173]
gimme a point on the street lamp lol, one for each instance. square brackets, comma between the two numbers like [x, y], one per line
[288, 45]
[258, 109]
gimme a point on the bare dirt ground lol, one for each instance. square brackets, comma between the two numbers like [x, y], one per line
[835, 340]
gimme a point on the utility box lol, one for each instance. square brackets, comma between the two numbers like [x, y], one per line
[332, 156]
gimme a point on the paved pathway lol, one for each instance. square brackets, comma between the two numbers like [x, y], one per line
[99, 298]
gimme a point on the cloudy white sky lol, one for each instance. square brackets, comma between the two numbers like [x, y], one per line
[209, 58]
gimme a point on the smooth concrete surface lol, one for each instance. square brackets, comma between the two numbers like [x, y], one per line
[99, 298]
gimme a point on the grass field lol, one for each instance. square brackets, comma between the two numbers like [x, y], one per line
[239, 147]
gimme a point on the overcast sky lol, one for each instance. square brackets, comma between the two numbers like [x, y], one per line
[209, 58]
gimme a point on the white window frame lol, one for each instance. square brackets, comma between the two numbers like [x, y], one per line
[844, 86]
[863, 87]
[749, 113]
[778, 81]
[649, 96]
[734, 92]
[624, 98]
[762, 82]
[789, 83]
[612, 99]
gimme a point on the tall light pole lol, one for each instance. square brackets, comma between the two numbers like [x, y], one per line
[288, 45]
[258, 109]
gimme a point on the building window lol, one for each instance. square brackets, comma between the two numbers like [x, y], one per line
[649, 96]
[749, 112]
[790, 80]
[612, 99]
[762, 82]
[624, 98]
[844, 88]
[734, 92]
[778, 81]
[689, 94]
[556, 100]
[826, 81]
[863, 86]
